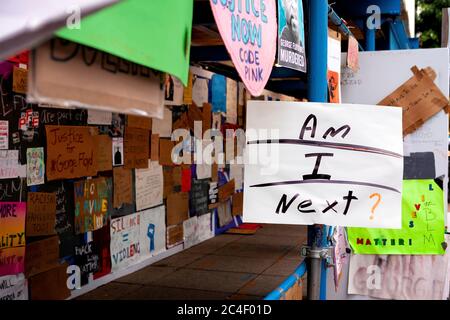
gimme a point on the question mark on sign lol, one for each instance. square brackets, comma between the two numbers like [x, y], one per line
[375, 205]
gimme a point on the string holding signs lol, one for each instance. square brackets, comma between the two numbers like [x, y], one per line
[310, 163]
[249, 31]
[422, 224]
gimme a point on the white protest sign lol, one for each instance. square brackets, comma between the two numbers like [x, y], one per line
[331, 164]
[13, 287]
[149, 186]
[125, 246]
[9, 164]
[153, 231]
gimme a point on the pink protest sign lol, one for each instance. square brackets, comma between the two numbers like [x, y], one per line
[12, 237]
[249, 31]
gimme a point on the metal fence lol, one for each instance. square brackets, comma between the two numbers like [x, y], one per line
[294, 281]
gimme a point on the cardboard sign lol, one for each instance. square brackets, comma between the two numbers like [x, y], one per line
[92, 204]
[13, 287]
[20, 80]
[50, 285]
[139, 122]
[291, 35]
[69, 74]
[154, 147]
[419, 98]
[253, 56]
[224, 213]
[71, 152]
[238, 204]
[165, 152]
[87, 259]
[4, 135]
[149, 186]
[41, 256]
[99, 117]
[41, 214]
[9, 164]
[104, 155]
[399, 277]
[35, 166]
[422, 224]
[174, 235]
[316, 167]
[187, 92]
[167, 181]
[177, 208]
[190, 232]
[153, 231]
[123, 186]
[12, 237]
[136, 145]
[163, 127]
[205, 231]
[125, 246]
[117, 151]
[226, 191]
[206, 117]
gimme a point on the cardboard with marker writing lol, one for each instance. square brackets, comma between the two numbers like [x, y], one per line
[123, 187]
[165, 152]
[206, 117]
[139, 122]
[104, 155]
[41, 214]
[71, 152]
[136, 148]
[238, 204]
[20, 77]
[419, 98]
[177, 208]
[87, 259]
[226, 191]
[194, 114]
[167, 181]
[174, 235]
[50, 285]
[41, 256]
[154, 147]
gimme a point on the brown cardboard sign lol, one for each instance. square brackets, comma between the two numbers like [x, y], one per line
[167, 181]
[419, 98]
[50, 285]
[187, 92]
[71, 152]
[194, 114]
[41, 214]
[123, 186]
[177, 208]
[139, 122]
[226, 191]
[20, 79]
[136, 148]
[214, 172]
[175, 235]
[177, 176]
[206, 117]
[41, 256]
[104, 154]
[165, 152]
[154, 147]
[182, 122]
[238, 204]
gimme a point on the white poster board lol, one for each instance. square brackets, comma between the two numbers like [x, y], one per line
[125, 236]
[152, 231]
[310, 163]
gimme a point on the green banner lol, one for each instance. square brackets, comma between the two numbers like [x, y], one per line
[153, 33]
[422, 224]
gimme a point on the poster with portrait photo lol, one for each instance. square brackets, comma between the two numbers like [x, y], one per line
[291, 35]
[173, 91]
[117, 151]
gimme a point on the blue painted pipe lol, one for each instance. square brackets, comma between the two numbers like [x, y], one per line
[288, 283]
[370, 39]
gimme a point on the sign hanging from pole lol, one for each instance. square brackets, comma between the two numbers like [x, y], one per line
[249, 31]
[334, 164]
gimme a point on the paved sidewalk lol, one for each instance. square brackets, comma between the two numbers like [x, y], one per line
[224, 267]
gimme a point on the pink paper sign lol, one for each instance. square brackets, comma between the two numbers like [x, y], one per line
[249, 31]
[12, 237]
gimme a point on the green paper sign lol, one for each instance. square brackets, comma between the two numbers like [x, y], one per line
[422, 224]
[153, 33]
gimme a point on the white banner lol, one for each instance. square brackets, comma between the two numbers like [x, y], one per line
[331, 164]
[125, 236]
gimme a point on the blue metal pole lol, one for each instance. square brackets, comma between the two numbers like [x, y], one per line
[370, 39]
[317, 92]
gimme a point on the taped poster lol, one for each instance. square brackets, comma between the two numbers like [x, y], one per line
[9, 164]
[152, 231]
[329, 148]
[4, 135]
[291, 35]
[422, 224]
[12, 237]
[149, 186]
[190, 232]
[92, 203]
[125, 237]
[35, 166]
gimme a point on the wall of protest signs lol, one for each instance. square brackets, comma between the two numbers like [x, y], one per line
[424, 149]
[92, 184]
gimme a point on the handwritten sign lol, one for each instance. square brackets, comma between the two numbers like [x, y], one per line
[125, 247]
[20, 77]
[319, 168]
[87, 258]
[136, 148]
[12, 237]
[174, 235]
[92, 204]
[249, 31]
[422, 224]
[153, 231]
[104, 155]
[41, 214]
[199, 197]
[99, 117]
[35, 166]
[70, 152]
[13, 287]
[9, 164]
[4, 135]
[123, 186]
[190, 232]
[149, 186]
[41, 256]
